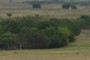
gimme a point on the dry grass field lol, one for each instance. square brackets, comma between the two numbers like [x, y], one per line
[57, 13]
[48, 10]
[80, 50]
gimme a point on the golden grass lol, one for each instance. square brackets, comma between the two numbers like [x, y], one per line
[49, 10]
[56, 13]
[80, 50]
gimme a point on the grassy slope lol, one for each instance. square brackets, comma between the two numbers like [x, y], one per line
[50, 10]
[80, 50]
[58, 13]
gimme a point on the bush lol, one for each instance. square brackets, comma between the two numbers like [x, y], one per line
[7, 40]
[32, 38]
[73, 6]
[9, 26]
[34, 32]
[9, 14]
[85, 17]
[66, 6]
[36, 5]
[85, 21]
[69, 5]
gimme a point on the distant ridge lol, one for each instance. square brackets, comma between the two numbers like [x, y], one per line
[6, 1]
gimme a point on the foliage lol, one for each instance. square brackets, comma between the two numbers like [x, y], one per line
[69, 5]
[73, 6]
[34, 32]
[36, 4]
[66, 5]
[9, 14]
[86, 21]
[7, 40]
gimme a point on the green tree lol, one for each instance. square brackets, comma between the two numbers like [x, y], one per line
[7, 40]
[9, 26]
[66, 5]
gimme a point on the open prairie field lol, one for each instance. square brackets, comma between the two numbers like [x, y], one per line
[57, 13]
[49, 10]
[80, 50]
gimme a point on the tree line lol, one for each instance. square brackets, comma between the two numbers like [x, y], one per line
[65, 5]
[36, 32]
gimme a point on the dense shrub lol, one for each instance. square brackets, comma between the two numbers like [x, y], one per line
[9, 26]
[9, 14]
[85, 21]
[66, 6]
[7, 40]
[73, 6]
[34, 32]
[36, 5]
[85, 17]
[69, 5]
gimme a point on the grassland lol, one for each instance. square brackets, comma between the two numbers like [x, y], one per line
[49, 10]
[57, 13]
[80, 50]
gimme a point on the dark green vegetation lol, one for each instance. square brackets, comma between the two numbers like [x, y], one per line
[65, 5]
[9, 14]
[69, 5]
[36, 32]
[36, 5]
[45, 2]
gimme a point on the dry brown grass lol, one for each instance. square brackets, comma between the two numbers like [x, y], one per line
[50, 56]
[57, 13]
[80, 50]
[49, 10]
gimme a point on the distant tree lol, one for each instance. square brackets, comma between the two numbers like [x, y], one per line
[9, 14]
[86, 21]
[66, 6]
[73, 6]
[69, 5]
[36, 4]
[85, 17]
[9, 26]
[35, 32]
[7, 40]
